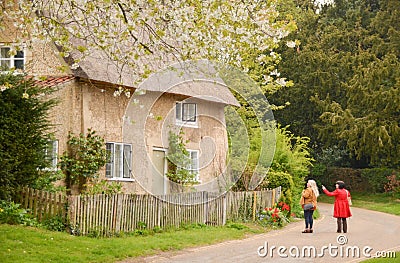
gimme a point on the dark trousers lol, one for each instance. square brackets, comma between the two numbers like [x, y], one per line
[308, 216]
[341, 224]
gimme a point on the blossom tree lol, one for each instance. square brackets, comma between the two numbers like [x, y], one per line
[144, 36]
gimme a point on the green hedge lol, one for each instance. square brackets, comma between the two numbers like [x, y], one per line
[359, 180]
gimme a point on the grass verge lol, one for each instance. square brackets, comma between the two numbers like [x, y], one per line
[27, 244]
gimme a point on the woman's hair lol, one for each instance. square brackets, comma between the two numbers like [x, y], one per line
[314, 187]
[341, 184]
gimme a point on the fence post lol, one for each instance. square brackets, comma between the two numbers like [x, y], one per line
[205, 206]
[273, 197]
[254, 205]
[224, 210]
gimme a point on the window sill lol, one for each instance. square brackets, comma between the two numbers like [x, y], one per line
[187, 124]
[121, 179]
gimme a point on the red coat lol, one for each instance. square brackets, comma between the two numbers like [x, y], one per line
[341, 206]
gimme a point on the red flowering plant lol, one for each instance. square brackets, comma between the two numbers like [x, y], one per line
[285, 208]
[275, 216]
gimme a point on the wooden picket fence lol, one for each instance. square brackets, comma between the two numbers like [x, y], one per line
[43, 205]
[107, 215]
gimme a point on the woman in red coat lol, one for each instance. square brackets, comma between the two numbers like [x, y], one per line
[341, 207]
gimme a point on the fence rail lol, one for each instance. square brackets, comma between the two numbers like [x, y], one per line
[110, 214]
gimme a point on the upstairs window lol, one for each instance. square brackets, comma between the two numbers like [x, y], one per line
[186, 114]
[119, 161]
[11, 58]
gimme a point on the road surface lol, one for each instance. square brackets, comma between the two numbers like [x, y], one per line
[369, 233]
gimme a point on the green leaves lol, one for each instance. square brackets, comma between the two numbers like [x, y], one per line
[346, 85]
[85, 156]
[179, 160]
[24, 132]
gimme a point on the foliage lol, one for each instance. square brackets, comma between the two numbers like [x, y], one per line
[285, 180]
[290, 165]
[276, 216]
[11, 213]
[376, 178]
[393, 184]
[291, 155]
[47, 179]
[370, 180]
[24, 132]
[333, 157]
[345, 76]
[236, 226]
[240, 33]
[56, 223]
[179, 160]
[97, 186]
[85, 156]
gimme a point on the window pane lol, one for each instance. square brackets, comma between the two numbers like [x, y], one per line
[189, 112]
[127, 160]
[110, 161]
[20, 54]
[54, 154]
[118, 158]
[178, 111]
[5, 64]
[195, 161]
[19, 64]
[4, 52]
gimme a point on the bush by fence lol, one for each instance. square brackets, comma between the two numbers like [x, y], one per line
[107, 215]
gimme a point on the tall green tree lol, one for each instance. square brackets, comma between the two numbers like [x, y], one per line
[24, 132]
[345, 91]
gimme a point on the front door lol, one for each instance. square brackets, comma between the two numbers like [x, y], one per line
[159, 181]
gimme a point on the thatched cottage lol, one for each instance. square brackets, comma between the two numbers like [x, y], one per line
[135, 123]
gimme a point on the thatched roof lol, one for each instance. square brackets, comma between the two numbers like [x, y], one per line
[193, 79]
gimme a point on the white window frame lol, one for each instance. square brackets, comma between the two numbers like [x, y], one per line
[119, 164]
[4, 57]
[51, 154]
[194, 165]
[183, 117]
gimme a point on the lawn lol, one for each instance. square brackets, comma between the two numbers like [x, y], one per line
[27, 244]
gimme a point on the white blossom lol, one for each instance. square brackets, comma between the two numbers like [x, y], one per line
[156, 34]
[267, 79]
[75, 66]
[281, 82]
[275, 73]
[3, 88]
[291, 44]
